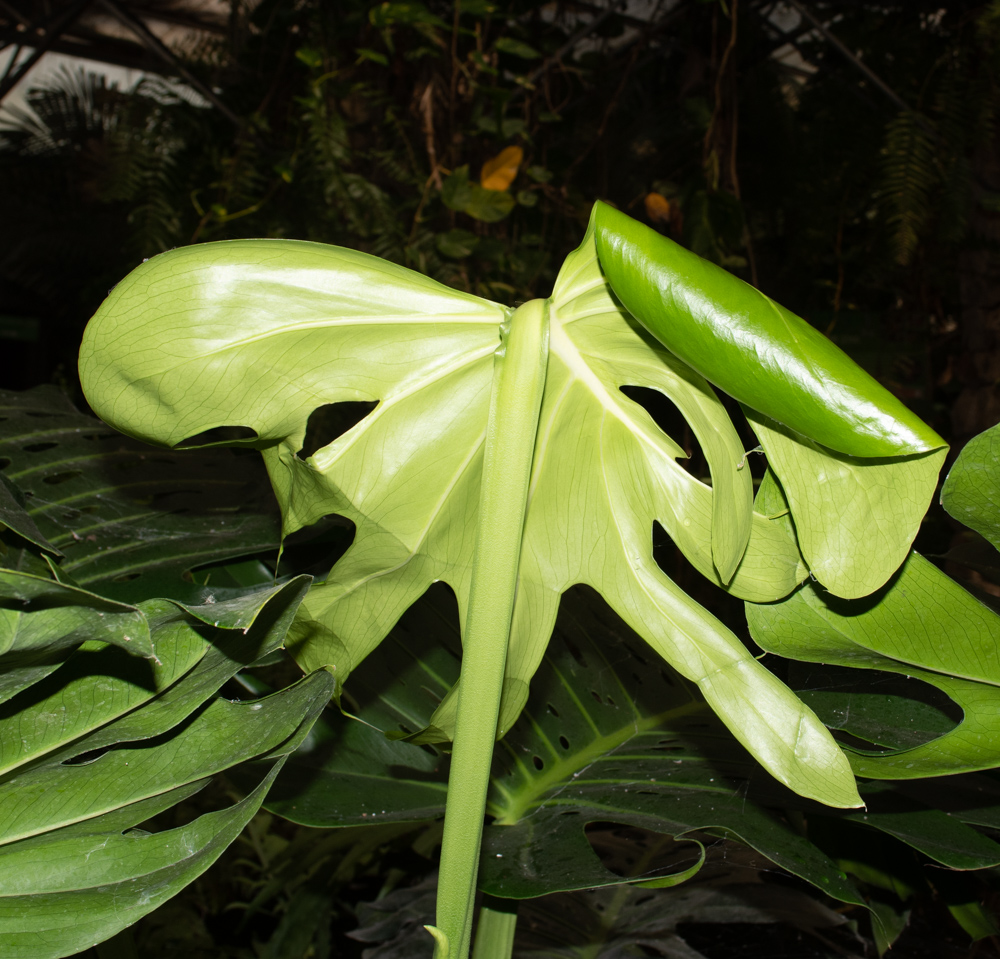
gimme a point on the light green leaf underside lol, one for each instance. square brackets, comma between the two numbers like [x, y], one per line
[259, 334]
[855, 519]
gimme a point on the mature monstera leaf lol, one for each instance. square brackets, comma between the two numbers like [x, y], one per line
[259, 334]
[109, 740]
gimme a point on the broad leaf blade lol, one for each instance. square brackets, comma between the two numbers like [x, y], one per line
[97, 695]
[110, 740]
[171, 354]
[41, 619]
[14, 516]
[597, 757]
[66, 887]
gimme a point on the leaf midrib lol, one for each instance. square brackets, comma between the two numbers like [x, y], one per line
[520, 802]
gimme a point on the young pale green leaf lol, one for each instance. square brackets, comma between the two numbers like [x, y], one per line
[971, 492]
[855, 518]
[749, 346]
[904, 621]
[260, 333]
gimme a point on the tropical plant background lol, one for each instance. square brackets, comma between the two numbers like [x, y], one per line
[858, 184]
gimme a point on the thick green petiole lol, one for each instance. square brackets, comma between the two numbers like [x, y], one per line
[515, 401]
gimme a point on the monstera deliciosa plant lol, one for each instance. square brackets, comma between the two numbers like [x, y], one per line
[504, 458]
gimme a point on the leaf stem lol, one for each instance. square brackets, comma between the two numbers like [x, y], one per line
[518, 384]
[495, 929]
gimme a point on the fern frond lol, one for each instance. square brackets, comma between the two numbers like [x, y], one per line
[909, 173]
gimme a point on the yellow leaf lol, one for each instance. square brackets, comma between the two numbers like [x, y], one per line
[657, 207]
[499, 173]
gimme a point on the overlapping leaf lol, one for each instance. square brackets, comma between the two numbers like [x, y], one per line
[130, 521]
[259, 334]
[109, 740]
[921, 625]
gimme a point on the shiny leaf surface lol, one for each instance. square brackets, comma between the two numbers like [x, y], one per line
[751, 347]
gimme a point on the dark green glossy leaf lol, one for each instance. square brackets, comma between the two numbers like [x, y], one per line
[72, 877]
[754, 349]
[97, 695]
[14, 516]
[886, 709]
[615, 737]
[971, 491]
[39, 617]
[109, 740]
[130, 519]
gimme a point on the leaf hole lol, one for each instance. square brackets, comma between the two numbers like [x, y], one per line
[597, 696]
[39, 447]
[552, 709]
[126, 577]
[219, 434]
[564, 742]
[326, 423]
[537, 762]
[58, 478]
[670, 421]
[4, 462]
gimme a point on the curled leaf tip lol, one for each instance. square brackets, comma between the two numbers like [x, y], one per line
[441, 943]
